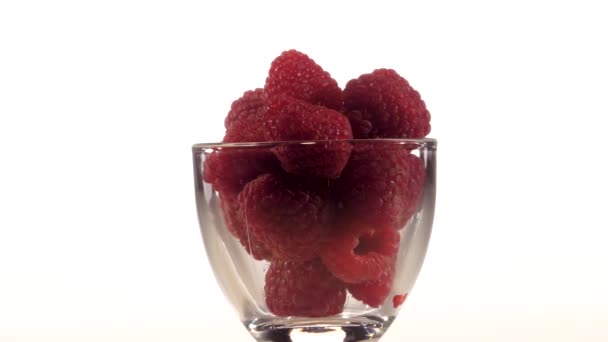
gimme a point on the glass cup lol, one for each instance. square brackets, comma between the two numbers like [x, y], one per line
[316, 237]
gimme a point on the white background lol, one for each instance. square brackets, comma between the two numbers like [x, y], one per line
[100, 102]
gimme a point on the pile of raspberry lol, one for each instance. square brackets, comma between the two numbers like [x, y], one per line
[326, 216]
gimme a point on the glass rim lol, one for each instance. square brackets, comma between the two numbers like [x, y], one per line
[423, 142]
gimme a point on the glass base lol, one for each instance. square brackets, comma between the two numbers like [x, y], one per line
[352, 329]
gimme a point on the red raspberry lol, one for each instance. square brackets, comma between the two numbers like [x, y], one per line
[251, 104]
[287, 217]
[245, 132]
[230, 169]
[399, 299]
[296, 75]
[245, 121]
[292, 120]
[358, 254]
[233, 219]
[383, 105]
[303, 288]
[380, 185]
[374, 292]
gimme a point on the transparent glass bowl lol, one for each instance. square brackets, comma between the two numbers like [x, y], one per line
[242, 277]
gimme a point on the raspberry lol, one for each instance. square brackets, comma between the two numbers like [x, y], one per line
[399, 299]
[292, 120]
[230, 169]
[287, 217]
[233, 219]
[303, 288]
[356, 254]
[382, 104]
[247, 131]
[296, 75]
[374, 292]
[380, 185]
[245, 121]
[251, 104]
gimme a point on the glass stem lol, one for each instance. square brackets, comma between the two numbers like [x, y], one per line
[346, 334]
